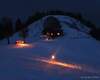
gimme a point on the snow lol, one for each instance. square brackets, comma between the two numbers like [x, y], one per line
[75, 47]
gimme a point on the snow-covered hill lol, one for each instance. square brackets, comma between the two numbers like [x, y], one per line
[75, 47]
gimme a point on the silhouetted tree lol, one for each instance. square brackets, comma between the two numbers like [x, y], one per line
[7, 28]
[95, 33]
[52, 27]
[36, 16]
[1, 32]
[18, 25]
[78, 16]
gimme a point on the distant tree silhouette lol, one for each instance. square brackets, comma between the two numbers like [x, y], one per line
[18, 25]
[36, 16]
[7, 28]
[78, 16]
[52, 27]
[95, 33]
[1, 32]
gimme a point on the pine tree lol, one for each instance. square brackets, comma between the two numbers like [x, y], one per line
[1, 32]
[18, 25]
[52, 27]
[95, 33]
[7, 28]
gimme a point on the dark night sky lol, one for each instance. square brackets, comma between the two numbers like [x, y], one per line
[23, 8]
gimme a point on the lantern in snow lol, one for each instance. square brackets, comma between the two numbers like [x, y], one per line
[51, 34]
[47, 33]
[58, 34]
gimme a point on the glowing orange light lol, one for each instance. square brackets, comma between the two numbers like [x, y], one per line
[58, 63]
[19, 42]
[22, 44]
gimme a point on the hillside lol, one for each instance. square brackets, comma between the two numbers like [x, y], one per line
[32, 62]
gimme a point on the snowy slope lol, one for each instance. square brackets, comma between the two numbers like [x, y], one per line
[36, 28]
[74, 47]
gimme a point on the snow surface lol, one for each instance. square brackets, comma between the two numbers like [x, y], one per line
[76, 47]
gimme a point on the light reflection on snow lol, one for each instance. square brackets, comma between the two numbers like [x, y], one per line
[22, 44]
[73, 66]
[61, 64]
[48, 40]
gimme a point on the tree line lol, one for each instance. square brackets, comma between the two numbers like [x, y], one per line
[8, 28]
[94, 32]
